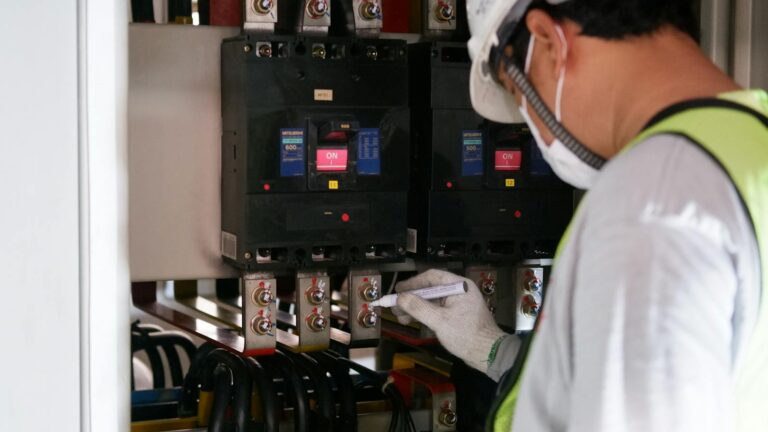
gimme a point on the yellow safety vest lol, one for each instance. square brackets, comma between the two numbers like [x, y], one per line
[733, 129]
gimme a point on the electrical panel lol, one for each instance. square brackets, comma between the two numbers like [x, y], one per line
[341, 152]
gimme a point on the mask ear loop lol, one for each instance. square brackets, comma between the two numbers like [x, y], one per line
[527, 70]
[561, 80]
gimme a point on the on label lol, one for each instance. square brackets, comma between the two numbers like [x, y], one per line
[333, 184]
[324, 95]
[510, 183]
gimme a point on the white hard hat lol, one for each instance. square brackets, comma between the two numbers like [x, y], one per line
[486, 17]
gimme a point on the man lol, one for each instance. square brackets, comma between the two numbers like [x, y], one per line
[654, 317]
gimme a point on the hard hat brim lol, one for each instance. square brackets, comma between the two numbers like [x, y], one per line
[489, 98]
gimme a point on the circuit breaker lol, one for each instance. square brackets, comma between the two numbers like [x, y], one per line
[315, 147]
[481, 191]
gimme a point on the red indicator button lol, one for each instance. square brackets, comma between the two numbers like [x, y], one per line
[267, 187]
[518, 214]
[508, 160]
[338, 136]
[345, 217]
[332, 159]
[449, 185]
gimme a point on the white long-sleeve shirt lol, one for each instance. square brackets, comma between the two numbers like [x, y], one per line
[649, 304]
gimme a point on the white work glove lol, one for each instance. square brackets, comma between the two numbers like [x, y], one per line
[463, 324]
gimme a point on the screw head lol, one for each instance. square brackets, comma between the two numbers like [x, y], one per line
[318, 51]
[247, 48]
[530, 306]
[263, 297]
[370, 11]
[368, 319]
[317, 322]
[248, 255]
[448, 417]
[262, 325]
[488, 286]
[317, 8]
[262, 7]
[265, 50]
[535, 284]
[316, 295]
[369, 291]
[445, 12]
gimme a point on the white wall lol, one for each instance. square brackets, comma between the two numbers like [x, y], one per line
[63, 272]
[39, 277]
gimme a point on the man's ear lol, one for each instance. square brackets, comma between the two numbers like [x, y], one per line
[550, 49]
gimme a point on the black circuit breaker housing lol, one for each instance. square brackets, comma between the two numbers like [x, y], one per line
[315, 151]
[481, 191]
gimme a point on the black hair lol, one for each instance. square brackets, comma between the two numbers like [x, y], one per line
[620, 19]
[615, 19]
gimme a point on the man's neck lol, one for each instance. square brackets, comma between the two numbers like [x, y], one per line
[662, 70]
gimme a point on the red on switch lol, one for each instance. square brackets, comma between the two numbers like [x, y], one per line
[345, 217]
[332, 159]
[508, 160]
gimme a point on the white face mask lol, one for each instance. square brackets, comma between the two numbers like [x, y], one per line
[564, 162]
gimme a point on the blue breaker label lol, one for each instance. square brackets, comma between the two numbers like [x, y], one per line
[292, 152]
[368, 152]
[471, 153]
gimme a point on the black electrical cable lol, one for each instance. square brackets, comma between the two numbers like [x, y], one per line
[295, 387]
[344, 388]
[178, 339]
[222, 393]
[400, 410]
[267, 395]
[140, 342]
[174, 363]
[148, 328]
[190, 389]
[168, 342]
[241, 382]
[323, 390]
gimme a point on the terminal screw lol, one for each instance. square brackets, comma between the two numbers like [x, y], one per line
[535, 284]
[370, 11]
[448, 417]
[263, 297]
[265, 50]
[317, 322]
[316, 293]
[372, 53]
[262, 325]
[530, 306]
[488, 286]
[317, 8]
[369, 291]
[368, 319]
[318, 52]
[262, 7]
[444, 12]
